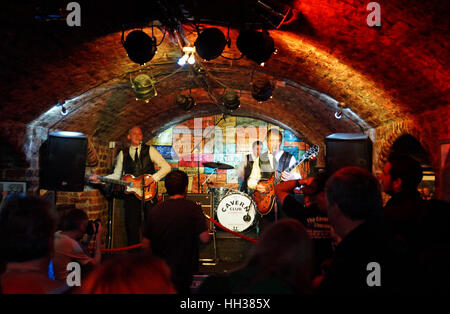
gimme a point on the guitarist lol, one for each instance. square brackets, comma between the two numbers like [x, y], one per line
[274, 159]
[138, 160]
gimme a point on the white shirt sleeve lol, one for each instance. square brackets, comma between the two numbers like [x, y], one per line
[117, 174]
[164, 167]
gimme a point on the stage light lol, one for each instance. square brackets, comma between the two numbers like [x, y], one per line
[63, 109]
[341, 107]
[210, 43]
[191, 59]
[255, 45]
[231, 100]
[262, 89]
[188, 56]
[144, 87]
[185, 102]
[139, 46]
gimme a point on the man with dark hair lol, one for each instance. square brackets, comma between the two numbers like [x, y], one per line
[173, 231]
[312, 213]
[369, 259]
[422, 224]
[137, 160]
[27, 225]
[246, 166]
[406, 209]
[68, 247]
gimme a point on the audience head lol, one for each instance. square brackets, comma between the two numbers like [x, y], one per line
[176, 183]
[27, 225]
[285, 251]
[130, 274]
[353, 195]
[401, 173]
[314, 192]
[75, 221]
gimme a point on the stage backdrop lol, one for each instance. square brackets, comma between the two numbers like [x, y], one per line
[188, 145]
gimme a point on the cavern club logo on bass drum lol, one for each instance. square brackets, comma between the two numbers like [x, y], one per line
[235, 205]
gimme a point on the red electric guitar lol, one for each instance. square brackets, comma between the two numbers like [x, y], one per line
[265, 201]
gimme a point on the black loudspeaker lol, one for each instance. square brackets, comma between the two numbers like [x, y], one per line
[348, 149]
[63, 161]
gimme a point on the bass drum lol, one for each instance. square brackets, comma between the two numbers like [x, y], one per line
[236, 211]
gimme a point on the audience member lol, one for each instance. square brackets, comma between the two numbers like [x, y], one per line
[174, 229]
[423, 224]
[406, 209]
[27, 225]
[129, 274]
[68, 247]
[354, 210]
[312, 214]
[279, 263]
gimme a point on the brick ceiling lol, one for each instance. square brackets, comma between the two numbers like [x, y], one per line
[381, 74]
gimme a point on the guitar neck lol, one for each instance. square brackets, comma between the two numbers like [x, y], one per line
[289, 169]
[108, 180]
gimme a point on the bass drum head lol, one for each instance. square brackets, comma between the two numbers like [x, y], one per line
[236, 211]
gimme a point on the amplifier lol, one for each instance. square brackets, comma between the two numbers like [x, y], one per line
[204, 200]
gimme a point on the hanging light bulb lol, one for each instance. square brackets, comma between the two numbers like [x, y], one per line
[191, 59]
[183, 59]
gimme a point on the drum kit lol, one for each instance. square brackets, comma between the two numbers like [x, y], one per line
[234, 209]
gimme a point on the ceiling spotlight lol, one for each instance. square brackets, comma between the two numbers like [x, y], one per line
[231, 100]
[338, 113]
[255, 45]
[262, 89]
[210, 43]
[139, 46]
[144, 87]
[63, 109]
[188, 56]
[185, 102]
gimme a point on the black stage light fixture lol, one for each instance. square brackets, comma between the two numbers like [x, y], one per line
[210, 43]
[256, 45]
[231, 100]
[139, 46]
[262, 89]
[185, 102]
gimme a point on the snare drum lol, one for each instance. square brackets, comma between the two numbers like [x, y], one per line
[236, 211]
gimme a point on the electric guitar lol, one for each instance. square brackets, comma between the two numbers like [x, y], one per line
[266, 201]
[133, 185]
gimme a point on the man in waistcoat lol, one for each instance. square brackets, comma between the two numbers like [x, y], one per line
[139, 159]
[273, 161]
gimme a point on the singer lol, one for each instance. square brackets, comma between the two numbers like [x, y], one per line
[140, 159]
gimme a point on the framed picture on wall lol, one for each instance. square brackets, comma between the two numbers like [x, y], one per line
[13, 186]
[444, 168]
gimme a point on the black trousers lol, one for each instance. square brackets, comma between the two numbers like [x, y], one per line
[133, 217]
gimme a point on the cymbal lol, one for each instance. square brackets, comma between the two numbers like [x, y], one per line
[217, 165]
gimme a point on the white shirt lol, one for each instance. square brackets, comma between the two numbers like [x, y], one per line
[155, 157]
[255, 175]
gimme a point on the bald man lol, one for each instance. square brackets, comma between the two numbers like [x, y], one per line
[138, 160]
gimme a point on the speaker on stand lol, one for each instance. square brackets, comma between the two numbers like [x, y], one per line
[63, 161]
[348, 149]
